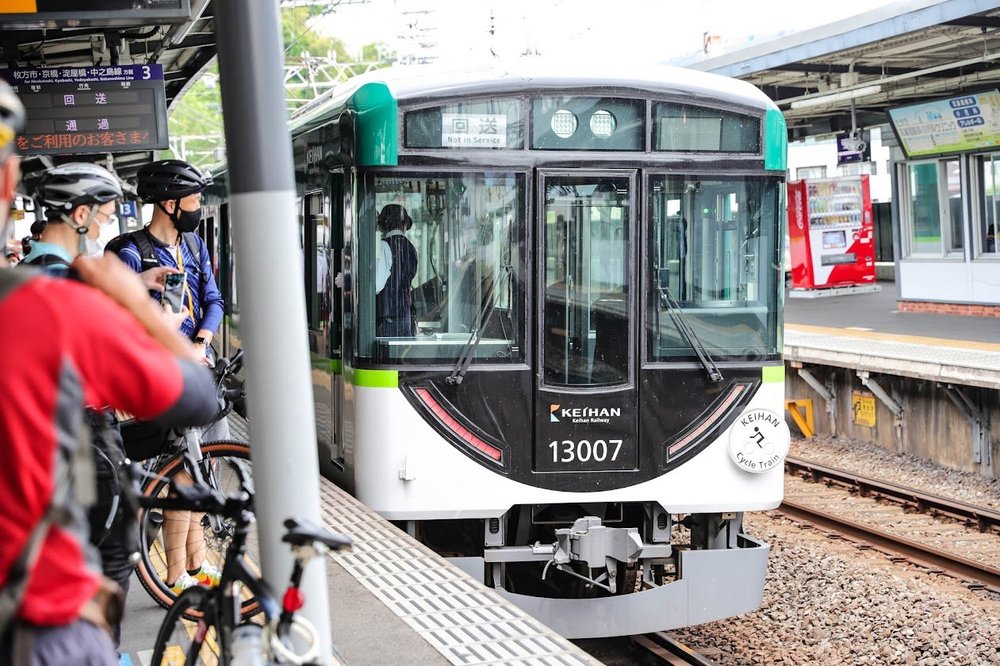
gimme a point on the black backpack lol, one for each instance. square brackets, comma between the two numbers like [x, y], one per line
[147, 250]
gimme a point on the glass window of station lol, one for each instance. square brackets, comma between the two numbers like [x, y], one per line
[938, 209]
[442, 275]
[713, 263]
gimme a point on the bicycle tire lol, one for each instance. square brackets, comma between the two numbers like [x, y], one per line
[150, 568]
[180, 641]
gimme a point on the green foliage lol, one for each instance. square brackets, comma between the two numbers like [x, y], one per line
[195, 121]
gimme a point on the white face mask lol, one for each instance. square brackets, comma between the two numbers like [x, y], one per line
[92, 248]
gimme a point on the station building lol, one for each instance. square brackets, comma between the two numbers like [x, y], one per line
[931, 71]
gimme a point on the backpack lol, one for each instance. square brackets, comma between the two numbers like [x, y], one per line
[147, 250]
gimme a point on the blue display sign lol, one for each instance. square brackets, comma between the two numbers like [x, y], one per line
[954, 125]
[97, 109]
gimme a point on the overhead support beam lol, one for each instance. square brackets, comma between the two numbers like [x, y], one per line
[976, 22]
[820, 68]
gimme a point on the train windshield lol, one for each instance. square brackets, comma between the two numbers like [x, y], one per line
[713, 251]
[440, 273]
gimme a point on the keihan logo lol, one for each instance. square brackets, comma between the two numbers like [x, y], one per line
[552, 415]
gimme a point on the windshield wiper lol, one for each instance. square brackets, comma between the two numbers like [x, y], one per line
[482, 321]
[680, 320]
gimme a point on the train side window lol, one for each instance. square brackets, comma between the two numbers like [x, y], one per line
[467, 234]
[315, 228]
[714, 252]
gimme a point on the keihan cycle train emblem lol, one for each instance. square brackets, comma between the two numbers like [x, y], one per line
[758, 441]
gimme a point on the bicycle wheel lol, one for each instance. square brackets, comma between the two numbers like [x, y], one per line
[180, 641]
[221, 461]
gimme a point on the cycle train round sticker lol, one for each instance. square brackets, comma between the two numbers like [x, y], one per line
[759, 440]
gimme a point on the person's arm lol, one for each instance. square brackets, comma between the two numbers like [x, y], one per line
[114, 278]
[211, 299]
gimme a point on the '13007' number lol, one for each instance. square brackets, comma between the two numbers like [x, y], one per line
[568, 451]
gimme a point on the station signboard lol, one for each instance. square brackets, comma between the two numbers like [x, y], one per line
[78, 110]
[83, 13]
[953, 125]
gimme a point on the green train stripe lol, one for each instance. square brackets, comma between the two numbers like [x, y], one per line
[772, 374]
[775, 141]
[372, 378]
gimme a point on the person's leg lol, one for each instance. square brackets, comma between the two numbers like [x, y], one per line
[175, 536]
[116, 564]
[195, 542]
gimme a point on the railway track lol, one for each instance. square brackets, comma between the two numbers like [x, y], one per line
[921, 551]
[669, 650]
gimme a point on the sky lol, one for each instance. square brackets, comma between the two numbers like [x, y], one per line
[458, 31]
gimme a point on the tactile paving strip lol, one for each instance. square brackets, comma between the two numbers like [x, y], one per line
[466, 622]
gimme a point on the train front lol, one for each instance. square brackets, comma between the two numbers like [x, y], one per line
[589, 394]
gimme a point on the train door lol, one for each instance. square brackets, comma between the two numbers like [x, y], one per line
[316, 261]
[336, 321]
[586, 389]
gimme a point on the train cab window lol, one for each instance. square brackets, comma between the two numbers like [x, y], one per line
[440, 269]
[491, 123]
[585, 320]
[682, 127]
[714, 265]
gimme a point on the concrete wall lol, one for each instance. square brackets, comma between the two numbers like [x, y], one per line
[933, 427]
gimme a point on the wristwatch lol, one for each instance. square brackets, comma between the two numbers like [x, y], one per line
[200, 341]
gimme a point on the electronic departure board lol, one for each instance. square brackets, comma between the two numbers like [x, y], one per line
[79, 13]
[75, 110]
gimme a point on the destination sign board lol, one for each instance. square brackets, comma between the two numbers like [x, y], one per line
[77, 110]
[79, 13]
[953, 125]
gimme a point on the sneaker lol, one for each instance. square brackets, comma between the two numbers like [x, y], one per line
[208, 576]
[184, 582]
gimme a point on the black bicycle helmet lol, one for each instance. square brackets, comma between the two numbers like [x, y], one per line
[63, 188]
[11, 119]
[170, 179]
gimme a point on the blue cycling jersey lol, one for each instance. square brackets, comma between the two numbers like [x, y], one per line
[202, 296]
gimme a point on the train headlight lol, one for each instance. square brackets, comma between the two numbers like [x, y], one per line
[563, 123]
[602, 124]
[759, 440]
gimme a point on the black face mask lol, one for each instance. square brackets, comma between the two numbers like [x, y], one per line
[187, 220]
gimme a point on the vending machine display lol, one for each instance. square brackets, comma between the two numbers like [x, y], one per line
[831, 233]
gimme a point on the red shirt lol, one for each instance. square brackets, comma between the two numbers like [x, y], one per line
[64, 345]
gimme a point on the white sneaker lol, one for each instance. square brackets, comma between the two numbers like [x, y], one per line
[184, 582]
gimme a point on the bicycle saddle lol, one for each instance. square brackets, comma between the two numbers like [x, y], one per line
[301, 532]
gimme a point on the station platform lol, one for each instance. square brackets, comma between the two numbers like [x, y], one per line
[865, 332]
[394, 601]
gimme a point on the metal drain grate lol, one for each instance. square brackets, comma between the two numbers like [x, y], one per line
[464, 621]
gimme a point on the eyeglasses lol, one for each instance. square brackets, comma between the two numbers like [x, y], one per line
[109, 218]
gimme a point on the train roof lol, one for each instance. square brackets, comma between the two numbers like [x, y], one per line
[429, 81]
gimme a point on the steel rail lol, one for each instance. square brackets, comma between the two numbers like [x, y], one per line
[985, 519]
[669, 650]
[979, 574]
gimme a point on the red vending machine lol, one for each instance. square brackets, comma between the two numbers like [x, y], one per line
[830, 232]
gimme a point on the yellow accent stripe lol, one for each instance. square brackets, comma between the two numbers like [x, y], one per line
[892, 337]
[772, 374]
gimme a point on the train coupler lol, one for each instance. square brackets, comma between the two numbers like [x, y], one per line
[596, 546]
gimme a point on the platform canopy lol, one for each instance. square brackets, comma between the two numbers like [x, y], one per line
[902, 53]
[181, 41]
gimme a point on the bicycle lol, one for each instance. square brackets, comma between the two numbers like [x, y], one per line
[287, 638]
[215, 461]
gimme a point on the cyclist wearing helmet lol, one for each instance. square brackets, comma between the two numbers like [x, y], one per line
[78, 198]
[64, 344]
[174, 187]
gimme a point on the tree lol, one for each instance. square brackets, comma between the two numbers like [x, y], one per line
[314, 63]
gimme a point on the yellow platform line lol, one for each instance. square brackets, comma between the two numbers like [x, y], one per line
[893, 337]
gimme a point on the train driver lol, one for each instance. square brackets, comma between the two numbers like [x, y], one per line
[394, 311]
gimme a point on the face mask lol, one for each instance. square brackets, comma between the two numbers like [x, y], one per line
[92, 248]
[187, 220]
